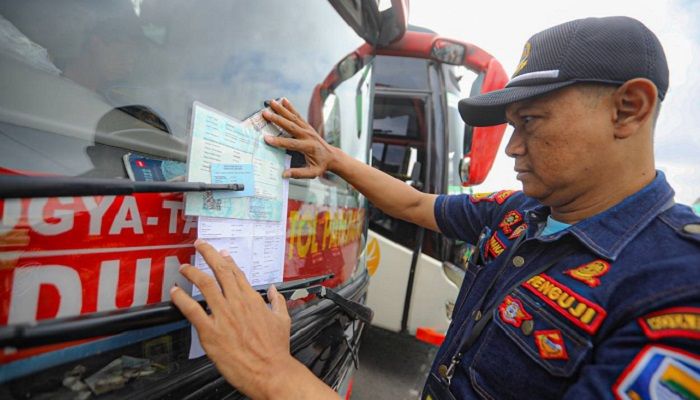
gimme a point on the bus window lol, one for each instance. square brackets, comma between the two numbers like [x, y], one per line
[457, 85]
[86, 84]
[414, 73]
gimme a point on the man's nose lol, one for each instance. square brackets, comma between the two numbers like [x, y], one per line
[516, 145]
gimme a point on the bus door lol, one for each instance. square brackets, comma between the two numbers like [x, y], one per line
[419, 138]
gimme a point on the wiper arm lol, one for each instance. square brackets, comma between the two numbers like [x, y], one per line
[20, 186]
[354, 309]
[116, 321]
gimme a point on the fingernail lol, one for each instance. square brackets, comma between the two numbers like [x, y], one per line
[273, 289]
[268, 139]
[173, 289]
[182, 266]
[198, 242]
[224, 253]
[286, 174]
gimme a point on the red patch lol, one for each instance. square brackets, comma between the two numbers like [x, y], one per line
[518, 231]
[502, 196]
[511, 218]
[513, 312]
[672, 322]
[495, 246]
[589, 273]
[574, 307]
[551, 345]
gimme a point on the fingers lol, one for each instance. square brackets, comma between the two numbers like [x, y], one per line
[283, 122]
[207, 285]
[302, 173]
[190, 308]
[223, 268]
[288, 105]
[287, 143]
[277, 301]
[287, 113]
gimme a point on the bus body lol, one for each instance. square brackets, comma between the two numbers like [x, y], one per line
[85, 270]
[420, 138]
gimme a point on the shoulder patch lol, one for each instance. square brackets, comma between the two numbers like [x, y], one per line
[502, 196]
[672, 322]
[479, 197]
[582, 312]
[589, 273]
[660, 372]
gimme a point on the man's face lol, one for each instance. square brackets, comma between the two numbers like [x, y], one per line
[561, 143]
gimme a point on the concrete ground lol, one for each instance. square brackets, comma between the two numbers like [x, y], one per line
[392, 366]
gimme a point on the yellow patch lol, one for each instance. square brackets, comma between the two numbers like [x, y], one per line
[495, 246]
[672, 322]
[477, 197]
[523, 58]
[589, 273]
[576, 308]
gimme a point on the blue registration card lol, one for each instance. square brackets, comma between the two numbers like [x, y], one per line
[233, 173]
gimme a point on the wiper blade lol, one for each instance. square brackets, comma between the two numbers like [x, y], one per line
[22, 186]
[116, 321]
[354, 309]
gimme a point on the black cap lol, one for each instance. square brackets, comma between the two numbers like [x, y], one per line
[606, 50]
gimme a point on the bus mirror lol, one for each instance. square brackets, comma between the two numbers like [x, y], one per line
[348, 67]
[464, 165]
[448, 52]
[377, 27]
[394, 21]
[415, 176]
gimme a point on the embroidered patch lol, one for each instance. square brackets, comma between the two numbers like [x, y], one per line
[579, 310]
[660, 372]
[511, 218]
[589, 273]
[672, 322]
[495, 246]
[551, 345]
[518, 231]
[513, 312]
[478, 197]
[502, 196]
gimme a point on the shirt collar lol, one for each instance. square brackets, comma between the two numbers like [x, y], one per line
[607, 233]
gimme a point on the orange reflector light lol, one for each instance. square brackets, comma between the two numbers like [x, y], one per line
[429, 335]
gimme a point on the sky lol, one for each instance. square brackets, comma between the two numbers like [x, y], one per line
[503, 27]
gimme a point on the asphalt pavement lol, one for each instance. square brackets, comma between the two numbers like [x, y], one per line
[392, 366]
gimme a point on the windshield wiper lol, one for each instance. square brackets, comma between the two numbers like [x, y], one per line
[116, 321]
[22, 186]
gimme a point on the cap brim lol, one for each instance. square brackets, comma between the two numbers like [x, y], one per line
[490, 108]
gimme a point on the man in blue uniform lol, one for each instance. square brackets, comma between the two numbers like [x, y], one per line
[584, 285]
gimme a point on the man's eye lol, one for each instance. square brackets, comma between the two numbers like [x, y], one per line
[527, 118]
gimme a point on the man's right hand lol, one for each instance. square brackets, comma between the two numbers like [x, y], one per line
[319, 154]
[390, 195]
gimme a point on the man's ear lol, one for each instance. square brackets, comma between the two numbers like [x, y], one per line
[635, 104]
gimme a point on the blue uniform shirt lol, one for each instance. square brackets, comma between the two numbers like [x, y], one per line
[616, 315]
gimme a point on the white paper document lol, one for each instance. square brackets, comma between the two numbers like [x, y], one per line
[256, 246]
[217, 138]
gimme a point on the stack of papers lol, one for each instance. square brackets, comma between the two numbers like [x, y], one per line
[249, 224]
